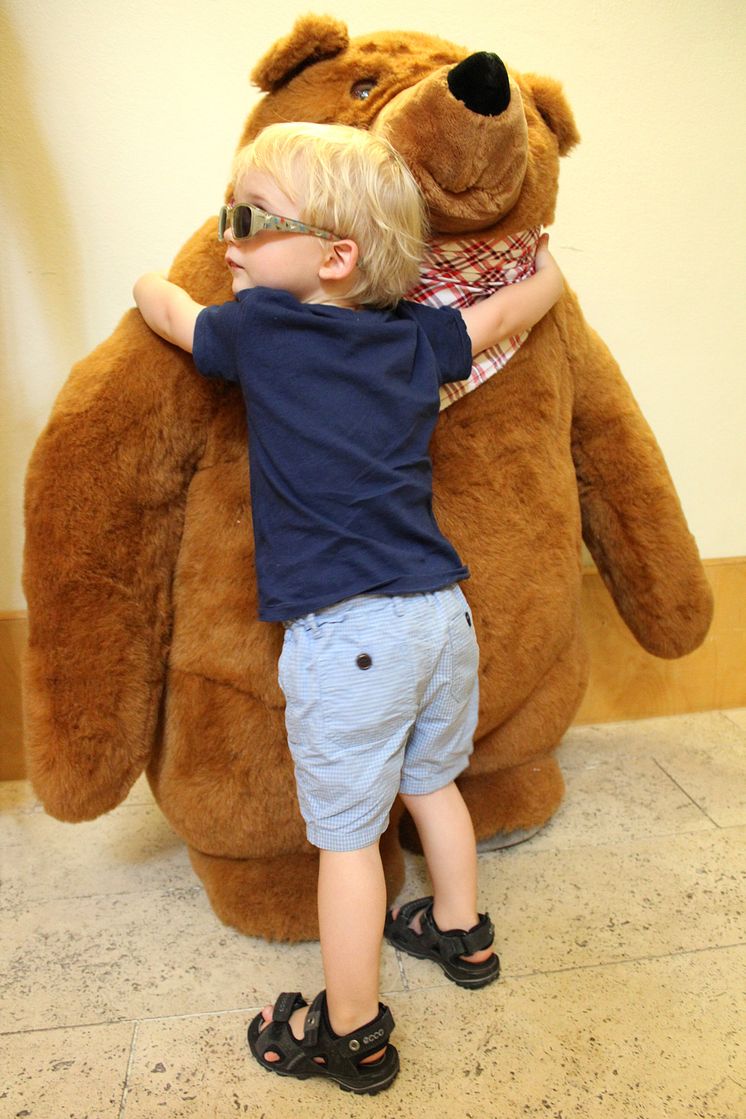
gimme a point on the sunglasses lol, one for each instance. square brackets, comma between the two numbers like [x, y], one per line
[246, 221]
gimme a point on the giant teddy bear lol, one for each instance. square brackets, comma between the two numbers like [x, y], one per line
[145, 652]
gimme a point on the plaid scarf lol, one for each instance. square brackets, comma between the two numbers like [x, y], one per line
[458, 272]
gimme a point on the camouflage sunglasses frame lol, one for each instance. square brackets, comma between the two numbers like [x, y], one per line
[246, 221]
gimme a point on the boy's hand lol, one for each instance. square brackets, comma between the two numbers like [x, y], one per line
[167, 309]
[544, 258]
[517, 307]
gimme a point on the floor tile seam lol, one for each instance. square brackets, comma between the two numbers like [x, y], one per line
[506, 977]
[193, 889]
[615, 843]
[144, 1019]
[127, 1075]
[626, 960]
[726, 713]
[686, 792]
[608, 761]
[401, 964]
[137, 1022]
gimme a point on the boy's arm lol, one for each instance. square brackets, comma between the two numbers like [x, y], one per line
[517, 307]
[167, 309]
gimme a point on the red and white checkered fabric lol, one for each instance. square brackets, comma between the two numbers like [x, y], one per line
[458, 272]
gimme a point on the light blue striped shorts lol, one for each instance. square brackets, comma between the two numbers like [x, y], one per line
[381, 696]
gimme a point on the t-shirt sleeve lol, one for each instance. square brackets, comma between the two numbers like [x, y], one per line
[446, 331]
[215, 334]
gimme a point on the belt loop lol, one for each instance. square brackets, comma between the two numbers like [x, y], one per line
[311, 624]
[398, 605]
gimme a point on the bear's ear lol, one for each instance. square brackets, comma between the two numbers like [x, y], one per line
[554, 109]
[312, 39]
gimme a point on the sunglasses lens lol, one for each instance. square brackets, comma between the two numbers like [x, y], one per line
[222, 222]
[241, 221]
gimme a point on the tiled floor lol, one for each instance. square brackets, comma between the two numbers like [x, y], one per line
[621, 927]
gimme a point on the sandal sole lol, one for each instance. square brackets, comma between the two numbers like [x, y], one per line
[372, 1090]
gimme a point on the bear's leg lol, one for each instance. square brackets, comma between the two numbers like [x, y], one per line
[510, 805]
[507, 806]
[513, 785]
[275, 897]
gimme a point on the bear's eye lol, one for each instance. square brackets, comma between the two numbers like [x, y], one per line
[363, 89]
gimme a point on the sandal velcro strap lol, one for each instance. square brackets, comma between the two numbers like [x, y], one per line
[286, 1004]
[482, 935]
[367, 1039]
[457, 942]
[371, 1037]
[322, 1052]
[314, 1020]
[412, 908]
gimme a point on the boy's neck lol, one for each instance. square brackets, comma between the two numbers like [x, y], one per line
[347, 304]
[336, 295]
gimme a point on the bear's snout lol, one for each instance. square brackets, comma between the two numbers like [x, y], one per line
[481, 82]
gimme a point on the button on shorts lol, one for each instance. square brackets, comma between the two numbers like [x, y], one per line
[381, 697]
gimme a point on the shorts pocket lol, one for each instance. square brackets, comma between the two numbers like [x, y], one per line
[366, 682]
[464, 654]
[284, 653]
[296, 681]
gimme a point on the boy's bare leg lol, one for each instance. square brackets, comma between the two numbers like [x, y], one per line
[352, 909]
[447, 836]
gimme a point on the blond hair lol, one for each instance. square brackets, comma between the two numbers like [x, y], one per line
[355, 185]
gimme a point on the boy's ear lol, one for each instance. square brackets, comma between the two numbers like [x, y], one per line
[340, 260]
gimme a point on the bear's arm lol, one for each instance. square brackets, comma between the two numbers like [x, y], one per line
[633, 524]
[105, 498]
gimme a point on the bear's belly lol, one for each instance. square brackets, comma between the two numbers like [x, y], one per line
[506, 495]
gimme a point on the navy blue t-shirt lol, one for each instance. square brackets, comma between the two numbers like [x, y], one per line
[341, 405]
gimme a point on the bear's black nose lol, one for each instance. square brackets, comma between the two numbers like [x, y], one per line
[481, 82]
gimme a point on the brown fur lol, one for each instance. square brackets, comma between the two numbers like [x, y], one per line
[144, 648]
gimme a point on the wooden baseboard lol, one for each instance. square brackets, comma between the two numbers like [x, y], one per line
[626, 682]
[12, 641]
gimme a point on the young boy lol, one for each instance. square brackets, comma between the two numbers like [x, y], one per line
[341, 382]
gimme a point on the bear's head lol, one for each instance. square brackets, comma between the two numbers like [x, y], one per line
[482, 141]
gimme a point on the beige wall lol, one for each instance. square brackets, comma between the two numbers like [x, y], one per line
[119, 119]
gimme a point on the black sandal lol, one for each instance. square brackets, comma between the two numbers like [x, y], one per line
[445, 948]
[342, 1056]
